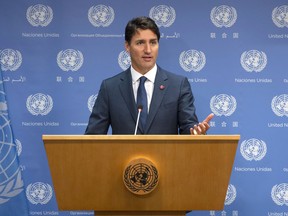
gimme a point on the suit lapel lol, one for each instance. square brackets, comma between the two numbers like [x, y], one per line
[160, 87]
[126, 90]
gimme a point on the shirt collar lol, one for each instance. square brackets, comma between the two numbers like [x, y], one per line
[150, 75]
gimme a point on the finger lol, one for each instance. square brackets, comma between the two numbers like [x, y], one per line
[193, 131]
[209, 117]
[207, 126]
[198, 129]
[202, 127]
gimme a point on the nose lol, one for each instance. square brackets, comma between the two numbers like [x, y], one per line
[147, 48]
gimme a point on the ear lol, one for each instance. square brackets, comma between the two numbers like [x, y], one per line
[127, 47]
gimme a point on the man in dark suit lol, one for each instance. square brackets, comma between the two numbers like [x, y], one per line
[168, 105]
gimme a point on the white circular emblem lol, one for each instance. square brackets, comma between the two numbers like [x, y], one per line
[279, 194]
[253, 60]
[230, 195]
[10, 59]
[39, 193]
[280, 16]
[124, 60]
[70, 60]
[101, 15]
[279, 105]
[223, 16]
[39, 15]
[11, 183]
[192, 60]
[39, 104]
[91, 102]
[223, 104]
[253, 149]
[8, 163]
[163, 15]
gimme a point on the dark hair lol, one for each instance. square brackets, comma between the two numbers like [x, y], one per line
[140, 23]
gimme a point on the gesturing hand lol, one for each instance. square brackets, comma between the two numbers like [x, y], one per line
[202, 127]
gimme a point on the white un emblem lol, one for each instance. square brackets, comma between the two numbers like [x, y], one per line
[124, 60]
[279, 105]
[163, 15]
[39, 15]
[223, 104]
[70, 60]
[39, 104]
[11, 183]
[39, 193]
[253, 60]
[10, 59]
[253, 149]
[279, 194]
[101, 15]
[192, 60]
[230, 195]
[223, 16]
[280, 16]
[91, 102]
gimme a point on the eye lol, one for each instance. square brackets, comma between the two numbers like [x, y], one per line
[154, 42]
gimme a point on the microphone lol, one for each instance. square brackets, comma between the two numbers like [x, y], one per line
[139, 108]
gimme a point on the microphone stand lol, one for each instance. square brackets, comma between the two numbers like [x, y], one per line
[138, 116]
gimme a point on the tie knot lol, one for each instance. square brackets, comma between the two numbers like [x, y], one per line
[142, 79]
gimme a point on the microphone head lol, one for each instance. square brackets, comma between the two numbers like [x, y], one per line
[140, 107]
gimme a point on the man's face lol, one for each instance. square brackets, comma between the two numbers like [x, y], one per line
[143, 50]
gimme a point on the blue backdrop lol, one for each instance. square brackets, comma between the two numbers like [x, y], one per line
[54, 55]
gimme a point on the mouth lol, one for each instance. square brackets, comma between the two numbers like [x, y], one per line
[147, 58]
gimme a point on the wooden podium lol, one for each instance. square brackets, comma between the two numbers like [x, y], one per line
[87, 172]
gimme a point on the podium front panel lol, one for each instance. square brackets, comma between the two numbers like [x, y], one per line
[87, 171]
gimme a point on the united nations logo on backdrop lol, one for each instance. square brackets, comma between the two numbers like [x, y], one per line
[253, 149]
[280, 16]
[91, 102]
[230, 195]
[11, 183]
[192, 60]
[163, 15]
[39, 104]
[10, 59]
[279, 105]
[279, 194]
[39, 193]
[253, 60]
[101, 15]
[70, 60]
[223, 16]
[124, 60]
[39, 15]
[223, 104]
[140, 176]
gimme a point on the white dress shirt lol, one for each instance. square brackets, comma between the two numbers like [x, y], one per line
[149, 84]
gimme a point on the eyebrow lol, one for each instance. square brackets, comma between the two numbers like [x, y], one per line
[153, 39]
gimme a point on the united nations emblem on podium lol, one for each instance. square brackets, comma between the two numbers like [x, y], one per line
[140, 176]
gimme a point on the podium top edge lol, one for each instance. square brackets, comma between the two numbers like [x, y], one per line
[140, 137]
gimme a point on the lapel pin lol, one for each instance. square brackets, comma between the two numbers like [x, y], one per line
[162, 87]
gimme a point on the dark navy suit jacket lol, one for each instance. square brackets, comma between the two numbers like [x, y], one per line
[171, 110]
